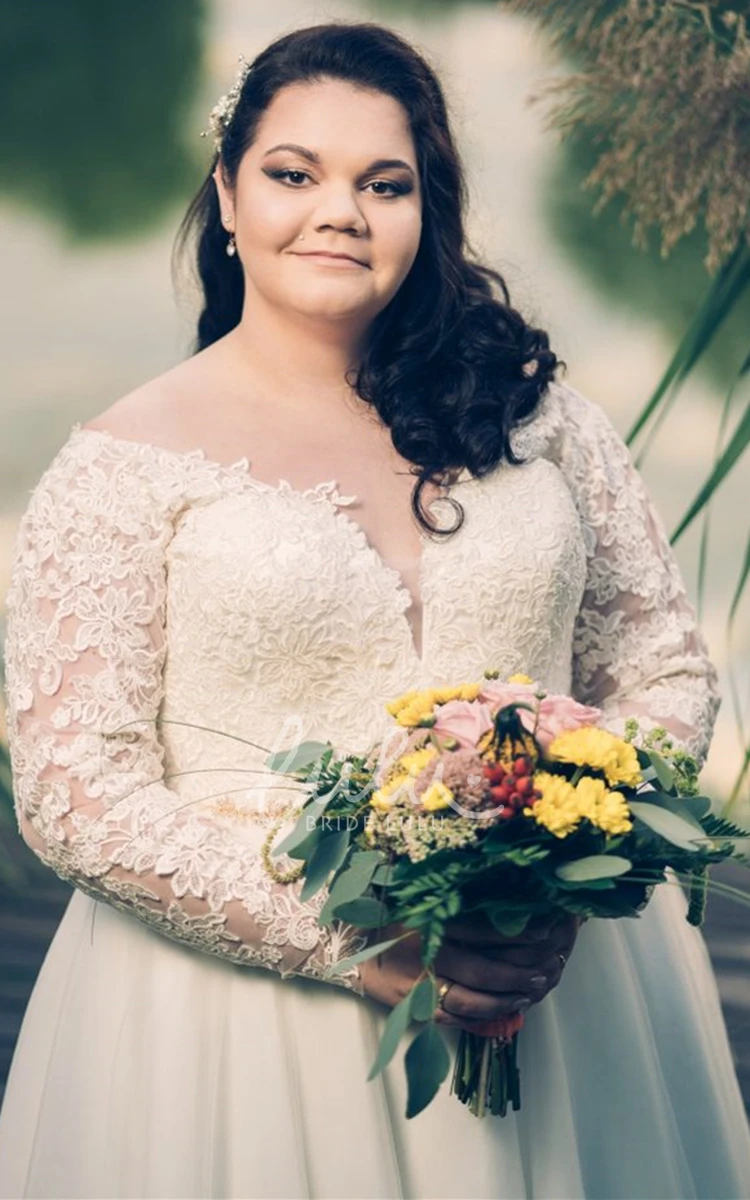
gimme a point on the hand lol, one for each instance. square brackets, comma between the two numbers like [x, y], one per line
[492, 973]
[480, 959]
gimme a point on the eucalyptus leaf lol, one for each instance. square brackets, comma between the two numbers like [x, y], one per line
[385, 875]
[302, 840]
[423, 999]
[364, 911]
[689, 806]
[427, 1063]
[352, 882]
[327, 856]
[679, 830]
[296, 757]
[362, 956]
[595, 866]
[395, 1027]
[664, 772]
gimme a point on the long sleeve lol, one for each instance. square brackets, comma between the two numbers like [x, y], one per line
[85, 650]
[637, 648]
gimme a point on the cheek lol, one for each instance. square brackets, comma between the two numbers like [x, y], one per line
[265, 220]
[402, 234]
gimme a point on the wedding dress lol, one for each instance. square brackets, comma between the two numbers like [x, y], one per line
[182, 1039]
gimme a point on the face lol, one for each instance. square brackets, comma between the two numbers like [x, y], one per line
[338, 166]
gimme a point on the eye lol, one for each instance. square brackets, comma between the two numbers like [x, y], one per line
[287, 171]
[398, 189]
[289, 176]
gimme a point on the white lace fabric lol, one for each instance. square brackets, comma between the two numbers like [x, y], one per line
[149, 584]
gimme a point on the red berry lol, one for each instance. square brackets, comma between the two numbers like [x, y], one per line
[521, 766]
[496, 773]
[506, 813]
[525, 785]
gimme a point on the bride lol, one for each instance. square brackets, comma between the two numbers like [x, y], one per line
[236, 556]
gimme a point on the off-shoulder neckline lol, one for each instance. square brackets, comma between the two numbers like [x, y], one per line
[327, 488]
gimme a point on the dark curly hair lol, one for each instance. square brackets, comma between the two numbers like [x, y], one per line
[450, 366]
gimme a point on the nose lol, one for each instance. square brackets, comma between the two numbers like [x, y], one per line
[338, 209]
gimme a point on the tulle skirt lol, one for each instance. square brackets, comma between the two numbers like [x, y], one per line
[148, 1069]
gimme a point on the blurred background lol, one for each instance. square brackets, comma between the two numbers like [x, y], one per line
[104, 105]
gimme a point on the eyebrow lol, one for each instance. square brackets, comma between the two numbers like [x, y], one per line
[380, 164]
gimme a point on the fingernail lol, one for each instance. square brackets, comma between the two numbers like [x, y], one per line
[520, 1005]
[538, 980]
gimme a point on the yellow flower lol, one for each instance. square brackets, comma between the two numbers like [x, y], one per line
[464, 691]
[520, 678]
[597, 748]
[605, 809]
[557, 810]
[382, 797]
[436, 796]
[418, 707]
[416, 761]
[411, 708]
[402, 772]
[562, 806]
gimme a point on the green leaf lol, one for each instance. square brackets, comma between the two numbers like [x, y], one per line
[362, 955]
[723, 294]
[296, 757]
[302, 840]
[738, 443]
[384, 876]
[697, 806]
[327, 856]
[741, 584]
[427, 1063]
[395, 1028]
[664, 772]
[679, 830]
[364, 911]
[423, 999]
[510, 925]
[596, 866]
[352, 882]
[687, 806]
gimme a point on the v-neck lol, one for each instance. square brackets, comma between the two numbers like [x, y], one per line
[328, 492]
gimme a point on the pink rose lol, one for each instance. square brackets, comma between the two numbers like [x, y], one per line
[556, 712]
[465, 720]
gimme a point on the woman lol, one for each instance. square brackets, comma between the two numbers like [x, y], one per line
[288, 594]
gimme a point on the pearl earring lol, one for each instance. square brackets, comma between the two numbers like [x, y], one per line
[231, 246]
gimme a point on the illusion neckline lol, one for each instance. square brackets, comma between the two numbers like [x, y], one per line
[328, 492]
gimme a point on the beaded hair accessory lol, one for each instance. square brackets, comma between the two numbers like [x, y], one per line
[222, 112]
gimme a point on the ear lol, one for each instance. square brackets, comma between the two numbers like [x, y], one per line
[226, 197]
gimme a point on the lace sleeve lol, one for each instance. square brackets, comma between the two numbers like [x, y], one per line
[637, 649]
[85, 648]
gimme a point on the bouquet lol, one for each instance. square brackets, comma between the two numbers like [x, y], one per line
[503, 800]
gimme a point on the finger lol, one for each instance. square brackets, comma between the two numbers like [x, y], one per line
[466, 1005]
[485, 974]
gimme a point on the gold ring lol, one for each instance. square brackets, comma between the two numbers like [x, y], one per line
[443, 992]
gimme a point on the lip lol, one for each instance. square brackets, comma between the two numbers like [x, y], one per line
[328, 254]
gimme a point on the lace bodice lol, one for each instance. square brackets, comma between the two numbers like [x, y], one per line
[153, 584]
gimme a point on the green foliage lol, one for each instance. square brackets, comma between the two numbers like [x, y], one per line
[427, 1063]
[97, 99]
[636, 282]
[596, 866]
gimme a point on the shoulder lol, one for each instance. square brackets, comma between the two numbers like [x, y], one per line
[150, 413]
[571, 429]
